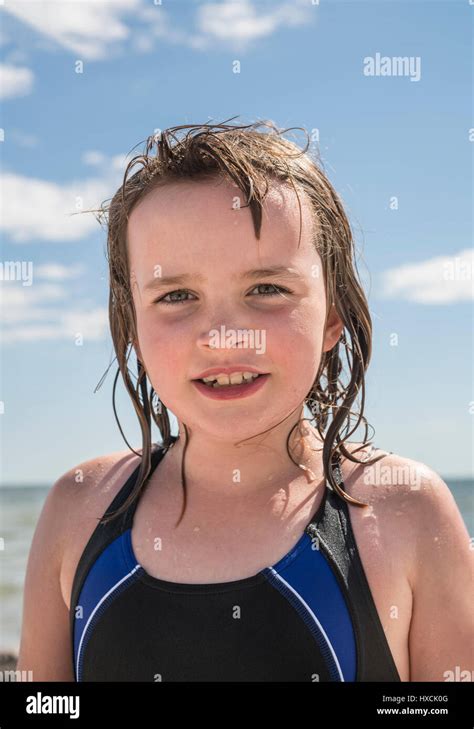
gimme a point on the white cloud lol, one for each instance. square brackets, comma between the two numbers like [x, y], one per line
[21, 303]
[57, 271]
[93, 158]
[36, 210]
[143, 43]
[235, 23]
[27, 316]
[32, 209]
[92, 29]
[160, 25]
[65, 325]
[85, 28]
[438, 280]
[93, 324]
[15, 81]
[238, 20]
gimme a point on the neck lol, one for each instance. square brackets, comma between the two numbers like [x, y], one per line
[253, 465]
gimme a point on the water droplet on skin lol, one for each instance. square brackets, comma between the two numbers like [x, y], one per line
[371, 525]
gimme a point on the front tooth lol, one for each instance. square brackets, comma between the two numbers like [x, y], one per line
[223, 379]
[236, 378]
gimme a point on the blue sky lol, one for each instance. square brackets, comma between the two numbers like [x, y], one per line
[397, 148]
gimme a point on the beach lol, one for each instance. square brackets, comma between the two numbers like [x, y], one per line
[8, 661]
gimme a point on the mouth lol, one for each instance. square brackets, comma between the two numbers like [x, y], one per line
[209, 382]
[231, 391]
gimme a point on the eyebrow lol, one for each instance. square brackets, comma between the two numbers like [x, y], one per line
[183, 278]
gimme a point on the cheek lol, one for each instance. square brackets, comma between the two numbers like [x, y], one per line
[296, 350]
[162, 351]
[299, 334]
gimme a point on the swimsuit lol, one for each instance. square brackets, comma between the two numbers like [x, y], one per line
[309, 617]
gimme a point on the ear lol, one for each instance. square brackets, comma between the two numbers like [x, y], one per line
[334, 327]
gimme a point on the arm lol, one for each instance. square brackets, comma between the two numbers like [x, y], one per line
[441, 635]
[45, 646]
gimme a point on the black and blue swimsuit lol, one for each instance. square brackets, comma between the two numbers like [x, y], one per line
[309, 617]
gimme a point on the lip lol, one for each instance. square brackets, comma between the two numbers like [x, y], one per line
[231, 392]
[228, 371]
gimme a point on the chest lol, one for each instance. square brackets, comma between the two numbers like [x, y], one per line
[235, 546]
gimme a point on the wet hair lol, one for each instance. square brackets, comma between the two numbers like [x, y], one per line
[251, 159]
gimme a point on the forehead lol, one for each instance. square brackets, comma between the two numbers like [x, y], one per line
[193, 220]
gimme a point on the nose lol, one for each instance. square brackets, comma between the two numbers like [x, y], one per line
[224, 324]
[222, 336]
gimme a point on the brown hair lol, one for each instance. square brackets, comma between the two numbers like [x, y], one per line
[249, 158]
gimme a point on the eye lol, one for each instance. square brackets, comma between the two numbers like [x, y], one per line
[172, 293]
[275, 291]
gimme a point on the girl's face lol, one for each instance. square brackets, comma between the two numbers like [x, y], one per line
[196, 230]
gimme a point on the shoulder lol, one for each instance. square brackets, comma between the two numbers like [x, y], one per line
[389, 481]
[59, 530]
[92, 475]
[409, 497]
[79, 499]
[414, 519]
[82, 494]
[389, 486]
[382, 476]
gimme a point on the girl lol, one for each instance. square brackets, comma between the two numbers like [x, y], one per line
[256, 544]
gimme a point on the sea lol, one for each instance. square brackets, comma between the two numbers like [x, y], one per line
[20, 508]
